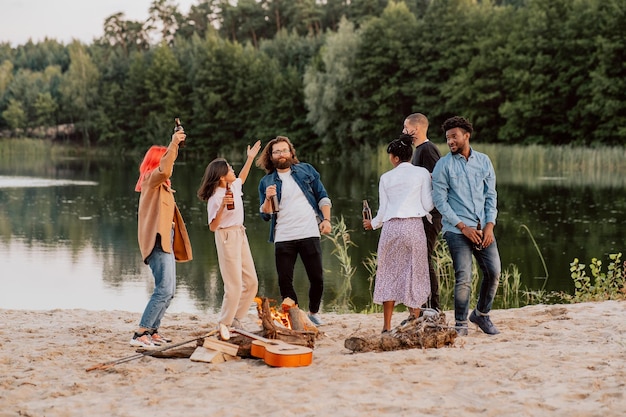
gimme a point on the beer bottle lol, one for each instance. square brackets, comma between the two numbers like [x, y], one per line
[229, 193]
[274, 203]
[367, 213]
[178, 127]
[480, 245]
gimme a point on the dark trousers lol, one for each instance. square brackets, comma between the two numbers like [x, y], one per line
[432, 232]
[310, 251]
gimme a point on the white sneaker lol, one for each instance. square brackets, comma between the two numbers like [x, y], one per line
[142, 340]
[316, 319]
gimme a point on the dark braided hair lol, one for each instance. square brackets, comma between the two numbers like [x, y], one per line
[401, 147]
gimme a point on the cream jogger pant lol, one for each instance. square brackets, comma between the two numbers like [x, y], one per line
[238, 273]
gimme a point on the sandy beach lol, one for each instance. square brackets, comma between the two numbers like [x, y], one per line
[557, 360]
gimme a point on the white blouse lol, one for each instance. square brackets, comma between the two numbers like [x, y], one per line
[404, 192]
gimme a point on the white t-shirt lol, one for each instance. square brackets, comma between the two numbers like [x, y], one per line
[296, 218]
[229, 217]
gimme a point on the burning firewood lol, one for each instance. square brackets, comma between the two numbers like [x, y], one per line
[290, 325]
[428, 331]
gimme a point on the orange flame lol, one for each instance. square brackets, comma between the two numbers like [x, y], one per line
[280, 318]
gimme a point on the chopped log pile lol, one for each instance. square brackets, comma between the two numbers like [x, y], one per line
[430, 330]
[275, 325]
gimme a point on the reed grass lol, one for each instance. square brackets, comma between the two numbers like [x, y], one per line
[510, 288]
[28, 147]
[534, 165]
[340, 237]
[543, 262]
[371, 264]
[37, 148]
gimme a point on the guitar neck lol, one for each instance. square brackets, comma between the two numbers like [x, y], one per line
[251, 335]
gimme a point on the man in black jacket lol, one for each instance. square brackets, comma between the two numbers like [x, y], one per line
[426, 155]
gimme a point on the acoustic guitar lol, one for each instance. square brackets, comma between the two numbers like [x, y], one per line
[278, 353]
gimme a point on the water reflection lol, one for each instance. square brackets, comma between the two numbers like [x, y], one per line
[71, 241]
[39, 276]
[30, 182]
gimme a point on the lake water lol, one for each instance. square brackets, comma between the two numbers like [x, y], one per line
[68, 231]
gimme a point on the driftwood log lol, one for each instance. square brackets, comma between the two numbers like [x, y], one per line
[428, 331]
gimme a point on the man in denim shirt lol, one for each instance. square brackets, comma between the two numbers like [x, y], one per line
[464, 192]
[303, 213]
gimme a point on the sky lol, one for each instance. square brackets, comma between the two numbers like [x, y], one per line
[65, 20]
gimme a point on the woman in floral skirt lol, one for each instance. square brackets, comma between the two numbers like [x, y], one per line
[404, 198]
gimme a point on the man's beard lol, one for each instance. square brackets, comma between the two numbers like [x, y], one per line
[283, 164]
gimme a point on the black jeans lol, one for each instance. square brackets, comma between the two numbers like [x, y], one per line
[310, 251]
[432, 232]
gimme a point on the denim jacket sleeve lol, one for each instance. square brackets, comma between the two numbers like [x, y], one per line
[265, 182]
[308, 179]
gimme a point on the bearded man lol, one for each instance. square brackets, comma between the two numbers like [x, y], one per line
[302, 216]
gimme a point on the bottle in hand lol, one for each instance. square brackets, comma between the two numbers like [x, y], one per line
[367, 213]
[274, 203]
[480, 245]
[178, 127]
[229, 193]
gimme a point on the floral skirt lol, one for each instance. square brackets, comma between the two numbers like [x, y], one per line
[402, 274]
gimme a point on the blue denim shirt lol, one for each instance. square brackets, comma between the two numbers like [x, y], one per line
[308, 179]
[465, 190]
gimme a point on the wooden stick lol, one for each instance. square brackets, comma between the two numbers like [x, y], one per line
[106, 365]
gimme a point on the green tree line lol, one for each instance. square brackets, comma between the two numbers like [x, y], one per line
[334, 75]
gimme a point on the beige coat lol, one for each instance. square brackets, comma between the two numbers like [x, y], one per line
[158, 209]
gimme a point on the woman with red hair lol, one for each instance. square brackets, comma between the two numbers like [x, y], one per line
[163, 238]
